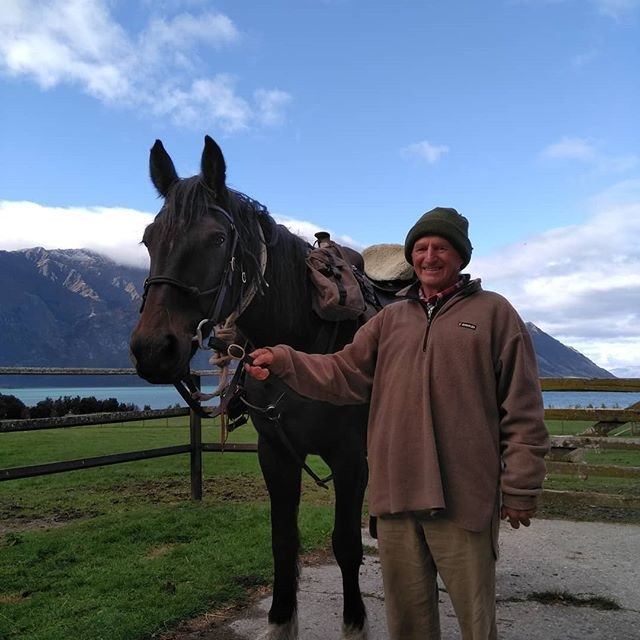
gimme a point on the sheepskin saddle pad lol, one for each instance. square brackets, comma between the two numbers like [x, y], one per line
[385, 263]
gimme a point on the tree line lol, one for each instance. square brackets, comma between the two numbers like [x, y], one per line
[12, 408]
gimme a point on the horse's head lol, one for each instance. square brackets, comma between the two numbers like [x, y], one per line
[195, 268]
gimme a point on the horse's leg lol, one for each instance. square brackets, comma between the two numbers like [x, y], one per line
[349, 467]
[282, 476]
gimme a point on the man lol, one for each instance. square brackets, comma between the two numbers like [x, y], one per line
[456, 436]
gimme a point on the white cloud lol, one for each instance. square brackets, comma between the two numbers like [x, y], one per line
[307, 230]
[621, 193]
[583, 150]
[115, 232]
[570, 148]
[185, 30]
[424, 150]
[159, 70]
[270, 104]
[205, 100]
[580, 283]
[74, 42]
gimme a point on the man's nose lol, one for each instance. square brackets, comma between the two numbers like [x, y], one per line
[430, 254]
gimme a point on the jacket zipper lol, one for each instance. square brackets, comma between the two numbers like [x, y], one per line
[436, 311]
[426, 331]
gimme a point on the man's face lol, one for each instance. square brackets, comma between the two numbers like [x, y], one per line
[436, 263]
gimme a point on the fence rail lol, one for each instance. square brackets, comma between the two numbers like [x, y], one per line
[593, 438]
[88, 420]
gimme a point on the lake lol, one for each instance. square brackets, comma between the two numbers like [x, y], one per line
[161, 396]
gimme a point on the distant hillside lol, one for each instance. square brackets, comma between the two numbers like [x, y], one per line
[69, 308]
[556, 360]
[77, 308]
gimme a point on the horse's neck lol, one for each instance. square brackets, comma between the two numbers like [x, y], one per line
[282, 314]
[267, 323]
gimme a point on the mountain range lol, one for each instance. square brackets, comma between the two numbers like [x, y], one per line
[77, 308]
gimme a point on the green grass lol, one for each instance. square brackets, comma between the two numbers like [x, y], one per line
[124, 577]
[567, 427]
[121, 552]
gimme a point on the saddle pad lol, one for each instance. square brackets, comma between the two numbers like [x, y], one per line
[383, 262]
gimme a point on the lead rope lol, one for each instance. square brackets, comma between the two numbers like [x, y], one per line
[228, 332]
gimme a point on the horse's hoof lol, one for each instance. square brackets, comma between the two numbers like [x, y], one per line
[286, 631]
[351, 632]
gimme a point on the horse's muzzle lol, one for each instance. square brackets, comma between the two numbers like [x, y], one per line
[160, 359]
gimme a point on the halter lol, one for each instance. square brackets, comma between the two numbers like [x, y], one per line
[194, 292]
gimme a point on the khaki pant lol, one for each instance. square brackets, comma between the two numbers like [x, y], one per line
[413, 551]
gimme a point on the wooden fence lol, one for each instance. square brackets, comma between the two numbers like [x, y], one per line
[565, 457]
[194, 448]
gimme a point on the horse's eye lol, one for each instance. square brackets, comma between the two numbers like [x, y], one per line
[217, 239]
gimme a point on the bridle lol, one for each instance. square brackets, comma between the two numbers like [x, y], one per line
[187, 386]
[222, 288]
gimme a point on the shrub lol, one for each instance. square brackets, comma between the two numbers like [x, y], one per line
[12, 408]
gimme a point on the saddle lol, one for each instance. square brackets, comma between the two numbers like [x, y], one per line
[342, 291]
[385, 266]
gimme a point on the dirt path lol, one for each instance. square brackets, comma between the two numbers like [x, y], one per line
[556, 580]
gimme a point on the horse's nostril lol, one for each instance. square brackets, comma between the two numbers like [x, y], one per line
[154, 350]
[159, 357]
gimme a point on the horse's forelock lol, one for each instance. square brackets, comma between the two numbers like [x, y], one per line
[184, 205]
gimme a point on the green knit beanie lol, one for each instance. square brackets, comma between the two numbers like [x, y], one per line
[444, 222]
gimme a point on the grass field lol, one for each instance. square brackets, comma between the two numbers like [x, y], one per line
[121, 552]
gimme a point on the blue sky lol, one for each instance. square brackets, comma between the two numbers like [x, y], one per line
[351, 116]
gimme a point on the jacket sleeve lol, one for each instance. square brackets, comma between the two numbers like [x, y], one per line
[524, 440]
[341, 378]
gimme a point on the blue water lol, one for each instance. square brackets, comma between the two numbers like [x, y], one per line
[159, 397]
[589, 399]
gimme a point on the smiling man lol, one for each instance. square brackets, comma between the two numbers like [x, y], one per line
[456, 436]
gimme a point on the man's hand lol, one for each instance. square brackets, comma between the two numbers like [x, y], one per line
[517, 517]
[262, 359]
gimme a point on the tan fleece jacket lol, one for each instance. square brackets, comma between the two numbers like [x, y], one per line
[455, 406]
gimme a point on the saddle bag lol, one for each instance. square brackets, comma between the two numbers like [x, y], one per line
[336, 291]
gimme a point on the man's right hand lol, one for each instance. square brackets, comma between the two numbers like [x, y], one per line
[259, 369]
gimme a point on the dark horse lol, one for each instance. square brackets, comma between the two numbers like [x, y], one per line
[204, 246]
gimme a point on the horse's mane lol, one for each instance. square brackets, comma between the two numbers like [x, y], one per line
[286, 266]
[189, 199]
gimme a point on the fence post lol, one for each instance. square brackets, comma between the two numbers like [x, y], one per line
[195, 437]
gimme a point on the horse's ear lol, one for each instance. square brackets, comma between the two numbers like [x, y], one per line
[214, 169]
[163, 173]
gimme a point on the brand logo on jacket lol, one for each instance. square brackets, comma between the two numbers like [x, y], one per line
[467, 325]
